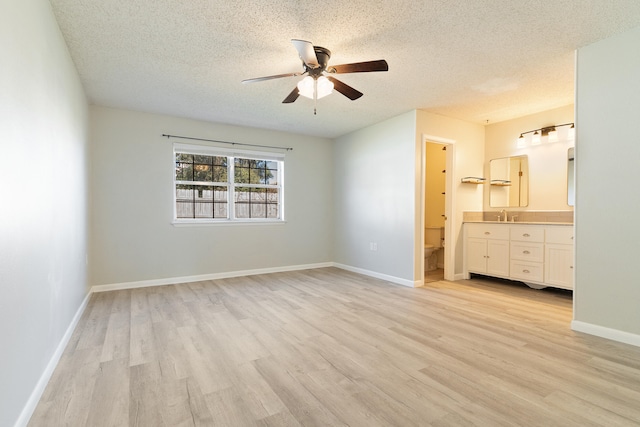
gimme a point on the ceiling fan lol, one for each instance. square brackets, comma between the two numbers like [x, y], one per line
[317, 83]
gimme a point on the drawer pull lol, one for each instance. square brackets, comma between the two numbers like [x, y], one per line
[526, 252]
[526, 271]
[526, 235]
[487, 233]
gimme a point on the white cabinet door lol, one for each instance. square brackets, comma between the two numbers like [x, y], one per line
[558, 265]
[477, 255]
[498, 258]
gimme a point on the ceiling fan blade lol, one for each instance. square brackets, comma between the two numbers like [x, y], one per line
[277, 76]
[292, 96]
[345, 89]
[360, 67]
[306, 52]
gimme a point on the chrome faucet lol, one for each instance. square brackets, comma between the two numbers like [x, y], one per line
[505, 215]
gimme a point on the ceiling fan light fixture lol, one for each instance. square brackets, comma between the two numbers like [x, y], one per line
[325, 87]
[305, 87]
[321, 86]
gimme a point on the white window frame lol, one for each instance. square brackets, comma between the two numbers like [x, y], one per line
[231, 154]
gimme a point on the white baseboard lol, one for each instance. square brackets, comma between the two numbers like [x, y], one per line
[604, 332]
[392, 279]
[37, 392]
[459, 276]
[201, 277]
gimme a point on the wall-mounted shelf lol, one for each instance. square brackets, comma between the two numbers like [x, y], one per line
[473, 180]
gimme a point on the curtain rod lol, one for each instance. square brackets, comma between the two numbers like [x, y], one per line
[227, 142]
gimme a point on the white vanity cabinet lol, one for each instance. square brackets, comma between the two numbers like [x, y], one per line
[558, 262]
[487, 249]
[526, 253]
[539, 255]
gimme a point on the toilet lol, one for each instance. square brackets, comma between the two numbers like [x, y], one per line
[433, 242]
[430, 258]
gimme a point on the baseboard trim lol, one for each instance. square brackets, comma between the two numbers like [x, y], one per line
[392, 279]
[37, 392]
[459, 276]
[201, 277]
[604, 332]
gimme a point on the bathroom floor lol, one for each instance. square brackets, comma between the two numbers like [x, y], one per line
[434, 276]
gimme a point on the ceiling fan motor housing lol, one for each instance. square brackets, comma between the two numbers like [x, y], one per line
[322, 55]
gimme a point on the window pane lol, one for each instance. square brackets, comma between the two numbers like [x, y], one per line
[220, 174]
[184, 171]
[184, 201]
[201, 201]
[256, 171]
[241, 175]
[256, 203]
[202, 172]
[220, 202]
[207, 160]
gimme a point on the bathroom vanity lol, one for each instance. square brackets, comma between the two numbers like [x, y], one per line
[540, 255]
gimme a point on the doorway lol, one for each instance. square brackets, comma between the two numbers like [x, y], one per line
[437, 207]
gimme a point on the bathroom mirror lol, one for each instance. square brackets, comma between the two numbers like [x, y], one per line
[509, 182]
[571, 187]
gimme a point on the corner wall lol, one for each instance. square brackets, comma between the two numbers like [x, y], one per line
[43, 220]
[607, 176]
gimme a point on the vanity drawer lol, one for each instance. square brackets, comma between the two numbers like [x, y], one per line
[562, 234]
[526, 251]
[527, 234]
[488, 231]
[526, 271]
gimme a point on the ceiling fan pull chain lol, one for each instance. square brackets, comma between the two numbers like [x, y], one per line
[315, 95]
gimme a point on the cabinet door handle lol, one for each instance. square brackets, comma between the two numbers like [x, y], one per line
[526, 271]
[526, 235]
[526, 252]
[487, 233]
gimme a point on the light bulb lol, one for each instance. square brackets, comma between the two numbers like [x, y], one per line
[553, 135]
[521, 142]
[535, 139]
[305, 87]
[325, 87]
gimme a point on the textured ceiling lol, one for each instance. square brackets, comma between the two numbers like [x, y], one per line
[476, 60]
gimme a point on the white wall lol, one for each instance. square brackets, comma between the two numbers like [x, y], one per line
[547, 162]
[374, 198]
[607, 291]
[132, 204]
[43, 220]
[469, 155]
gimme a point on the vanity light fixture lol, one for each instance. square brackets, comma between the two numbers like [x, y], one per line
[546, 134]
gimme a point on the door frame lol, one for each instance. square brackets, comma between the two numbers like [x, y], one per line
[449, 204]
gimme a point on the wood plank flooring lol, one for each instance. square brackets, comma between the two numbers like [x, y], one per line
[329, 347]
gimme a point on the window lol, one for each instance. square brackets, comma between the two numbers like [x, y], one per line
[217, 185]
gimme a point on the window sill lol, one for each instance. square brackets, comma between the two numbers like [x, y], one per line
[206, 222]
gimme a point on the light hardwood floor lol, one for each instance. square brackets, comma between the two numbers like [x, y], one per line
[330, 347]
